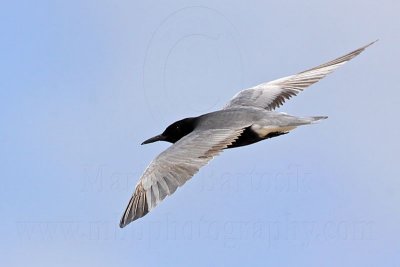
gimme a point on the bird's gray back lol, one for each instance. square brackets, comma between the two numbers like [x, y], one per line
[237, 118]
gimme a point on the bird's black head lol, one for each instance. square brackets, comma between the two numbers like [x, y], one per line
[175, 131]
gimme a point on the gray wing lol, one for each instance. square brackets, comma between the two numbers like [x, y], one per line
[273, 94]
[173, 167]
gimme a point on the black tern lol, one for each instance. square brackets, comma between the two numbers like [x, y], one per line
[246, 119]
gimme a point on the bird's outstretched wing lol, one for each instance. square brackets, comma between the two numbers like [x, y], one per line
[173, 167]
[273, 94]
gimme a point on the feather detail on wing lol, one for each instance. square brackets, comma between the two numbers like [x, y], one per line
[273, 94]
[173, 167]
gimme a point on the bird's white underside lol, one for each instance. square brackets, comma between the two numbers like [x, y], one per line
[263, 131]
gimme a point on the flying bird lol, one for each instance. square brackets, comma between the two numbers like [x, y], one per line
[247, 118]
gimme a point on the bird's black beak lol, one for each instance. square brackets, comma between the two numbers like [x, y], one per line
[156, 138]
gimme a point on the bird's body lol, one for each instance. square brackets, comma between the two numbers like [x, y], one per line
[258, 124]
[248, 118]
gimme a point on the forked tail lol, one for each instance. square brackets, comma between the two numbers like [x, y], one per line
[306, 120]
[317, 118]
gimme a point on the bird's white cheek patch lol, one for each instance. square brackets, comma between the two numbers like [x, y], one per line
[263, 131]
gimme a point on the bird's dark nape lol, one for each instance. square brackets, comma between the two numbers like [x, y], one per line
[179, 129]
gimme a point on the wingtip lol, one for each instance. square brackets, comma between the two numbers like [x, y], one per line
[137, 207]
[370, 43]
[123, 222]
[361, 49]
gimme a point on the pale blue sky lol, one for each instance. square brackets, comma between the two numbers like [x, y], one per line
[83, 83]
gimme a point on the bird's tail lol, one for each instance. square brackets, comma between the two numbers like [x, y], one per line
[316, 118]
[307, 120]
